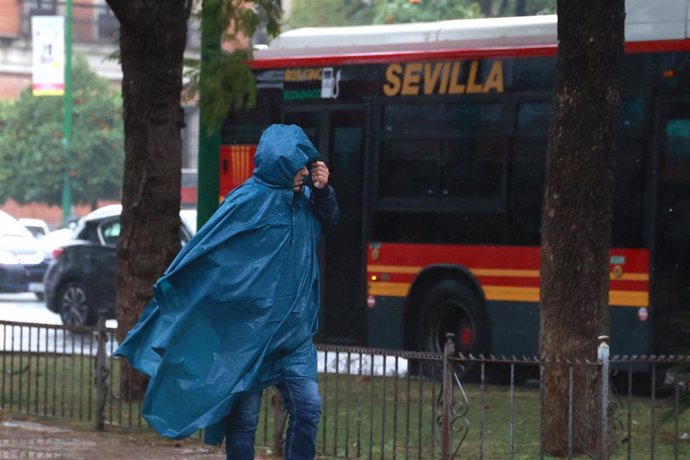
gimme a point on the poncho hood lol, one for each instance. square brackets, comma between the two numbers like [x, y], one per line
[282, 151]
[237, 308]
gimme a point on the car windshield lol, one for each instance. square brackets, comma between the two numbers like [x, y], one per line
[9, 226]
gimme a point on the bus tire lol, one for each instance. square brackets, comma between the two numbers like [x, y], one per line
[452, 307]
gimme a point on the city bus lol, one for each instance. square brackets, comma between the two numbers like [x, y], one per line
[435, 135]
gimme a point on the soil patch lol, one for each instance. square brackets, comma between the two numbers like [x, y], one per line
[32, 438]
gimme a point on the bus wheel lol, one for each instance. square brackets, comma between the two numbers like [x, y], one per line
[451, 307]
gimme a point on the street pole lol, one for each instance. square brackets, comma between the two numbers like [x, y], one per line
[67, 119]
[209, 139]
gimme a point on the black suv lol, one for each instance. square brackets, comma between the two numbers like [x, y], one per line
[81, 281]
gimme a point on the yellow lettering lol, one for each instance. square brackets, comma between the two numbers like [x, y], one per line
[472, 85]
[444, 78]
[302, 75]
[431, 74]
[495, 79]
[413, 73]
[455, 87]
[439, 78]
[392, 87]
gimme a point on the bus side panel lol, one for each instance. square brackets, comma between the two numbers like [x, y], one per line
[386, 323]
[514, 328]
[629, 335]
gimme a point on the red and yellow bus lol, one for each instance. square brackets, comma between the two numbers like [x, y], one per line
[436, 137]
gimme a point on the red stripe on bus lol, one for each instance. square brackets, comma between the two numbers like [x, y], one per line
[477, 257]
[621, 285]
[488, 257]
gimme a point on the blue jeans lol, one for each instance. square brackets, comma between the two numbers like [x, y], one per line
[300, 398]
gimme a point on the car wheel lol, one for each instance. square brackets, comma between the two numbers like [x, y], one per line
[452, 307]
[40, 296]
[73, 304]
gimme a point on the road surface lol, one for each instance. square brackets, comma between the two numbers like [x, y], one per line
[38, 332]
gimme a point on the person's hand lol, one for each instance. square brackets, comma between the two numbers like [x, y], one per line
[319, 174]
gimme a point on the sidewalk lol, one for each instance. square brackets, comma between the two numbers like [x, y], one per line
[32, 439]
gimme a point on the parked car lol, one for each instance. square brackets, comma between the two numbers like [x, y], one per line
[81, 281]
[23, 261]
[58, 237]
[188, 217]
[37, 227]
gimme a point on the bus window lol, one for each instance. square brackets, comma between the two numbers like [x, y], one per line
[305, 120]
[676, 168]
[246, 126]
[672, 233]
[477, 117]
[460, 169]
[526, 189]
[409, 169]
[628, 215]
[473, 168]
[404, 118]
[632, 117]
[468, 117]
[534, 117]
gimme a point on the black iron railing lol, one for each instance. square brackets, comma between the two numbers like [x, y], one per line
[378, 403]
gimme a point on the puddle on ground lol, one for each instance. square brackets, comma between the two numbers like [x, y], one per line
[29, 440]
[34, 427]
[45, 443]
[11, 454]
[29, 445]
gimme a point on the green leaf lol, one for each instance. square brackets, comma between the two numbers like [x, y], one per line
[33, 161]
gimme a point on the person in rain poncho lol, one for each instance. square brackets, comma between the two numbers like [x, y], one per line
[236, 310]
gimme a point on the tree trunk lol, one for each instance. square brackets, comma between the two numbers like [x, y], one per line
[577, 215]
[486, 7]
[152, 42]
[503, 8]
[521, 8]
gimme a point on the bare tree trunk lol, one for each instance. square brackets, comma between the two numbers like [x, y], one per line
[520, 8]
[503, 8]
[577, 214]
[152, 42]
[486, 7]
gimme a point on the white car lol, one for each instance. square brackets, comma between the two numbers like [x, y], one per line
[188, 217]
[37, 227]
[23, 260]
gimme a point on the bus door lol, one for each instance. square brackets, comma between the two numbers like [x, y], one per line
[339, 135]
[671, 279]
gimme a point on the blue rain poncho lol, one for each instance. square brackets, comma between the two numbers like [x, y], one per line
[236, 310]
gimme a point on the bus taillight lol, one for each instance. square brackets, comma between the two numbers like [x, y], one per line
[642, 314]
[371, 301]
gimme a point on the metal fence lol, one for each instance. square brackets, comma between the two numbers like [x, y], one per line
[379, 403]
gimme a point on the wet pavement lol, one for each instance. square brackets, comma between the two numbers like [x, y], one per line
[22, 439]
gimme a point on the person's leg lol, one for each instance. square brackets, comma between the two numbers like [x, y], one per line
[240, 427]
[303, 404]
